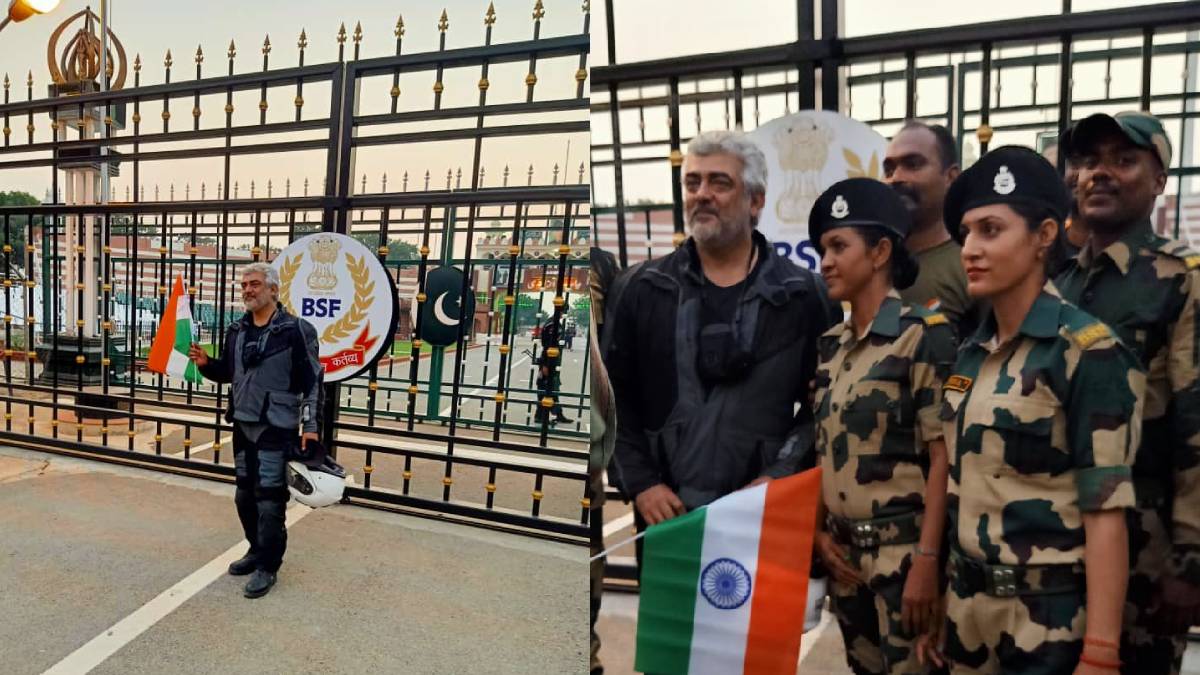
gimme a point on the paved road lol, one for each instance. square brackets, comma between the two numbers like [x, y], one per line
[120, 569]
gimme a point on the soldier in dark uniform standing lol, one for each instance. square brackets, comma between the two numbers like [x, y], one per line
[879, 438]
[1041, 420]
[1147, 288]
[548, 380]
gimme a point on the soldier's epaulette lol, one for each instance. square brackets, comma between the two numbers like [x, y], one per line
[1182, 252]
[935, 319]
[925, 315]
[1091, 334]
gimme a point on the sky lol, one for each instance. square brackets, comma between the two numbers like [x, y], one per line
[703, 26]
[151, 27]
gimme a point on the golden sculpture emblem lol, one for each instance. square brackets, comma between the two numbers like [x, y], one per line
[76, 68]
[324, 254]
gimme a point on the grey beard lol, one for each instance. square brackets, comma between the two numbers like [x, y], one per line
[255, 305]
[718, 236]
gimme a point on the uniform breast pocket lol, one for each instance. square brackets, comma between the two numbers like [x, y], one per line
[880, 411]
[1028, 442]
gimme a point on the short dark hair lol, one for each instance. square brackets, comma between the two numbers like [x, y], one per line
[947, 147]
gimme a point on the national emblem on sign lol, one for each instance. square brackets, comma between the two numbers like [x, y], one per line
[1004, 182]
[324, 252]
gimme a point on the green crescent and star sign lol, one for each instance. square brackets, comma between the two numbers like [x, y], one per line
[445, 307]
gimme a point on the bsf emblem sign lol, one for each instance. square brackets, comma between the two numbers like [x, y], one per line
[806, 153]
[339, 286]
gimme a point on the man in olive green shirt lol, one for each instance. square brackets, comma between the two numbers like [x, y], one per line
[920, 164]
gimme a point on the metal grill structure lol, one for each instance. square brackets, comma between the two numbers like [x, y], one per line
[1013, 81]
[461, 443]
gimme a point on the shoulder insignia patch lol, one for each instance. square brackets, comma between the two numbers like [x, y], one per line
[957, 383]
[1089, 335]
[935, 319]
[1192, 261]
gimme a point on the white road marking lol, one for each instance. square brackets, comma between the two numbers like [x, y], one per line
[618, 524]
[489, 383]
[199, 448]
[107, 643]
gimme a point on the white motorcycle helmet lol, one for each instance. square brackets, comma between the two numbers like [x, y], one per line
[316, 486]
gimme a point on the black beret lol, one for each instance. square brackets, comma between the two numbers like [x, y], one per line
[1009, 175]
[858, 202]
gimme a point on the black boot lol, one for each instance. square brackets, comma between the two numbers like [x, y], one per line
[260, 584]
[243, 566]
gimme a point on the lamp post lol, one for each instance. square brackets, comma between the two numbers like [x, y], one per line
[19, 10]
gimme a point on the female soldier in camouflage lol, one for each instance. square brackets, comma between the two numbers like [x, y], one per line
[1041, 413]
[878, 435]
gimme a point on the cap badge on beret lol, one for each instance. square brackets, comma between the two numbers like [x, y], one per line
[840, 208]
[1004, 182]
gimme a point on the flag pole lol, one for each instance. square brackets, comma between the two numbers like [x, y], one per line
[610, 549]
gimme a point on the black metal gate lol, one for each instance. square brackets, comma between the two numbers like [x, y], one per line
[958, 76]
[461, 443]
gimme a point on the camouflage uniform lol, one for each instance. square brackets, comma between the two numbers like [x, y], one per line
[1040, 430]
[1147, 288]
[878, 407]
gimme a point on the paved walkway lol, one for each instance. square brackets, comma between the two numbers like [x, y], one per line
[108, 569]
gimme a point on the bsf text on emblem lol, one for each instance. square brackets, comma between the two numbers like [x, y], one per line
[1004, 182]
[840, 208]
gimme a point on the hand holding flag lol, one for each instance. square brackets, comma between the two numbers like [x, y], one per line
[197, 355]
[170, 350]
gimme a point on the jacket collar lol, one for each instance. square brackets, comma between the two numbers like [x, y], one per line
[277, 319]
[770, 275]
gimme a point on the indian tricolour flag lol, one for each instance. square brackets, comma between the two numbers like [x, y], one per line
[168, 352]
[723, 587]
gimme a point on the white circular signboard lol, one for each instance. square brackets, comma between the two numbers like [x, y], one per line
[339, 286]
[806, 153]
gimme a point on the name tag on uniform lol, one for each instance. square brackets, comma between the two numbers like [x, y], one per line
[957, 383]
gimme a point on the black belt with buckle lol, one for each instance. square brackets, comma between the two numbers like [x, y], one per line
[1006, 581]
[871, 533]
